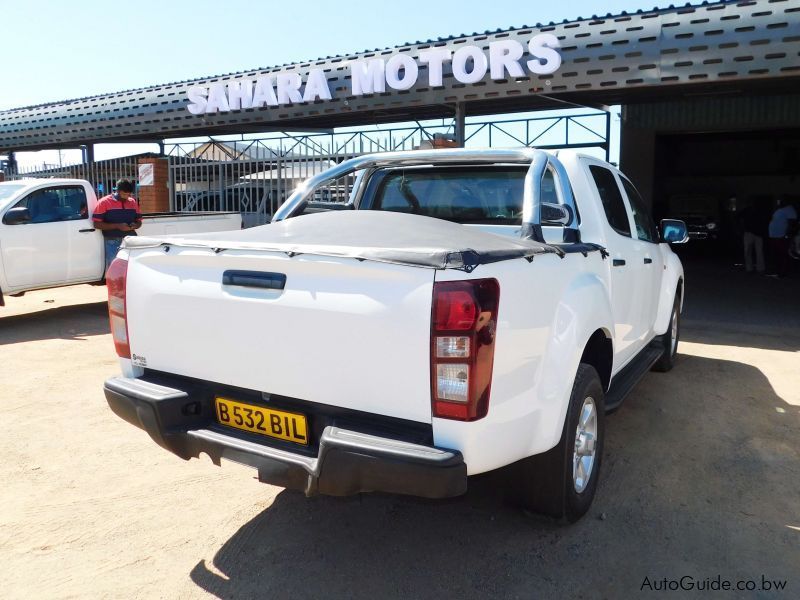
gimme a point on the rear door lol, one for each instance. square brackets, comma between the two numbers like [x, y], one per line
[86, 254]
[645, 231]
[626, 266]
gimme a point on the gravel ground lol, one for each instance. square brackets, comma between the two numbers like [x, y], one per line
[701, 479]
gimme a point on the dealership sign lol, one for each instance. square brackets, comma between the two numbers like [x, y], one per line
[469, 64]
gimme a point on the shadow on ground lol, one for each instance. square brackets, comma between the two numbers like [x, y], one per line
[701, 477]
[741, 336]
[722, 297]
[63, 322]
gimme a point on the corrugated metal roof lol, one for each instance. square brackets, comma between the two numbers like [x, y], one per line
[158, 87]
[720, 47]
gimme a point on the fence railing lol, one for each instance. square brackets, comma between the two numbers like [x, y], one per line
[255, 176]
[102, 174]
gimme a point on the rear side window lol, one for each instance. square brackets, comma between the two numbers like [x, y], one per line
[611, 198]
[549, 192]
[645, 228]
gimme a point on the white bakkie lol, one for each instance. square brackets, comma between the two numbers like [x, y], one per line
[47, 238]
[464, 311]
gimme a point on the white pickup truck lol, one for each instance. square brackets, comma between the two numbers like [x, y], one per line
[476, 310]
[47, 238]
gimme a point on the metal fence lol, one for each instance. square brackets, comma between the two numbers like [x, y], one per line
[245, 177]
[255, 176]
[102, 174]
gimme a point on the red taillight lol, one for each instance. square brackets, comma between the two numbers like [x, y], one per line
[462, 347]
[456, 309]
[116, 277]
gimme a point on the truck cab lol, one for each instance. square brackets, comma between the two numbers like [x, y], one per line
[46, 234]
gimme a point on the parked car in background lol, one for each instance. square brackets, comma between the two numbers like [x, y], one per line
[700, 212]
[47, 238]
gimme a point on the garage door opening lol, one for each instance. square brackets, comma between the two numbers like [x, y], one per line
[710, 179]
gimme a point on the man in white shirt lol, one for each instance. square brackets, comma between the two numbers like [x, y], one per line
[781, 229]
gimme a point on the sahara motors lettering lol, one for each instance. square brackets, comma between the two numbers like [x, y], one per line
[469, 65]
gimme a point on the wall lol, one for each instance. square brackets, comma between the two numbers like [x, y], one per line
[155, 198]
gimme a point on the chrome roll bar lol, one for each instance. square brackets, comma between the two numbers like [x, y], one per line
[539, 161]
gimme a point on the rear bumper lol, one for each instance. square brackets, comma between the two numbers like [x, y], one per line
[348, 462]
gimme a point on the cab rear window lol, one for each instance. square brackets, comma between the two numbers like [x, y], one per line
[458, 194]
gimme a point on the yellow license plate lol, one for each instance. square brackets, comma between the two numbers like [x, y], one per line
[266, 421]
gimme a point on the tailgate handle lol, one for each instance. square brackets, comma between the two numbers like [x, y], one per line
[257, 279]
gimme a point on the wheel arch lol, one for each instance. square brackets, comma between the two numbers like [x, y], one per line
[672, 284]
[599, 353]
[583, 319]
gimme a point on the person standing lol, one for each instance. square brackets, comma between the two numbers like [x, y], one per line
[781, 229]
[755, 220]
[117, 216]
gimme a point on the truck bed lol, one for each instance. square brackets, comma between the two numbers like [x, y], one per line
[367, 235]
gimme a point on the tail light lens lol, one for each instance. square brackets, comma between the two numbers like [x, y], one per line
[116, 278]
[463, 328]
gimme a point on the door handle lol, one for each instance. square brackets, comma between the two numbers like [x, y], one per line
[257, 279]
[85, 230]
[618, 262]
[648, 261]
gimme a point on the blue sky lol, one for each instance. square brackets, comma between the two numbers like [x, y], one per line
[57, 50]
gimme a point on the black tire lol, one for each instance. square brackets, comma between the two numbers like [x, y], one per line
[670, 350]
[544, 483]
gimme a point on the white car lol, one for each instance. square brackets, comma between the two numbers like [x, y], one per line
[47, 238]
[464, 311]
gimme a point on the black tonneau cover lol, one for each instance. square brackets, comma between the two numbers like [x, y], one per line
[366, 235]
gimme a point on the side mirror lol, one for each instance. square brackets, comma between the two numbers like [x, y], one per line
[17, 216]
[674, 231]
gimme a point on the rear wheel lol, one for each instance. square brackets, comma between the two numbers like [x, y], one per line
[561, 482]
[670, 339]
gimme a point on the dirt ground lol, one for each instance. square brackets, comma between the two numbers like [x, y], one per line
[701, 479]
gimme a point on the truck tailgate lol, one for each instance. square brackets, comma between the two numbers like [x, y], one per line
[342, 332]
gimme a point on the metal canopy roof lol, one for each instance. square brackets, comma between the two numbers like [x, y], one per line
[717, 48]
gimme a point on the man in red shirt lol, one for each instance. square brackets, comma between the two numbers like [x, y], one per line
[117, 216]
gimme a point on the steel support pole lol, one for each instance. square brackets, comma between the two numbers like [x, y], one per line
[460, 125]
[11, 163]
[171, 184]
